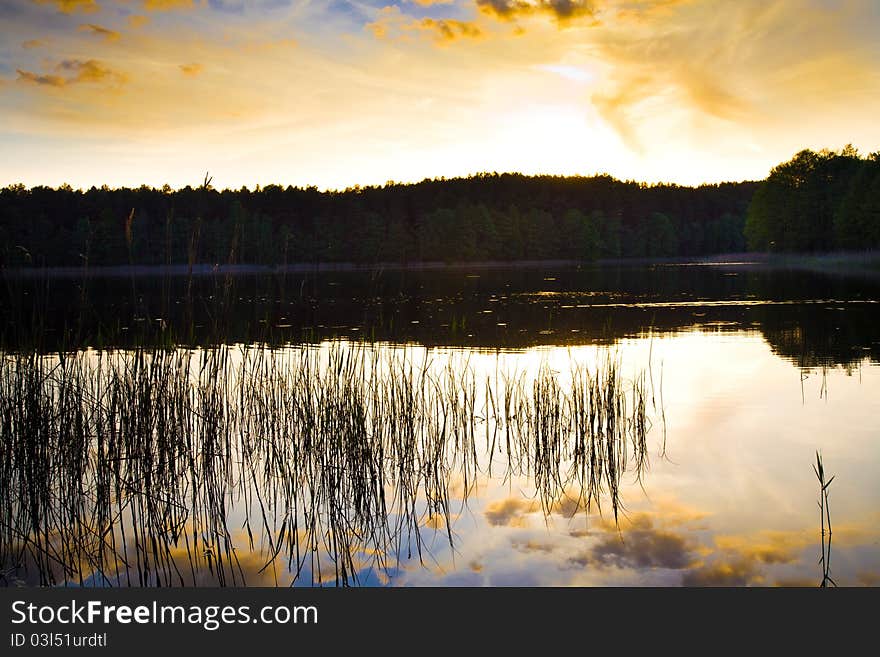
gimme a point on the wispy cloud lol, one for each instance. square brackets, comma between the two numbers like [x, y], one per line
[99, 31]
[41, 79]
[74, 71]
[739, 64]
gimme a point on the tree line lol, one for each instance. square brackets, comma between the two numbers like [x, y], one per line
[483, 217]
[817, 201]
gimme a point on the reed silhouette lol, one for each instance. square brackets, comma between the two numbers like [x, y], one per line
[172, 467]
[824, 523]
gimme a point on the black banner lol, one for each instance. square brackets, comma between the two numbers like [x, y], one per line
[151, 621]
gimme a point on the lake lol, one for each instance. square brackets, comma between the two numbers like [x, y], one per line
[548, 425]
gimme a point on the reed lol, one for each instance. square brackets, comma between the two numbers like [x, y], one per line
[169, 466]
[824, 523]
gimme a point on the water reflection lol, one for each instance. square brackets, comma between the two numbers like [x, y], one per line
[743, 374]
[811, 319]
[258, 499]
[135, 467]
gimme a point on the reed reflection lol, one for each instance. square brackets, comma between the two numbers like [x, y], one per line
[241, 465]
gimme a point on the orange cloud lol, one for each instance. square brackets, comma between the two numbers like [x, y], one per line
[742, 560]
[97, 30]
[561, 10]
[73, 71]
[738, 560]
[446, 30]
[71, 6]
[686, 62]
[33, 43]
[639, 545]
[391, 20]
[167, 5]
[89, 71]
[665, 67]
[564, 11]
[766, 547]
[738, 572]
[48, 80]
[509, 512]
[191, 70]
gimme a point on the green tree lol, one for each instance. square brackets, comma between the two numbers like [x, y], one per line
[857, 219]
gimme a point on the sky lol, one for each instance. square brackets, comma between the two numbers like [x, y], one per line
[338, 93]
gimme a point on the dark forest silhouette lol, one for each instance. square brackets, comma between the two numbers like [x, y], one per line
[485, 217]
[815, 202]
[818, 202]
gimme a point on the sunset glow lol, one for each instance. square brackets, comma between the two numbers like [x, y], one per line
[342, 93]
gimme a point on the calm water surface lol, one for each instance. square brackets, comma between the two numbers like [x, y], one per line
[746, 373]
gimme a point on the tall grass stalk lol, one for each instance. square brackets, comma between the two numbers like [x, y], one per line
[171, 466]
[824, 523]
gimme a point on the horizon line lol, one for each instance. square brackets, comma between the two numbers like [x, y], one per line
[389, 183]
